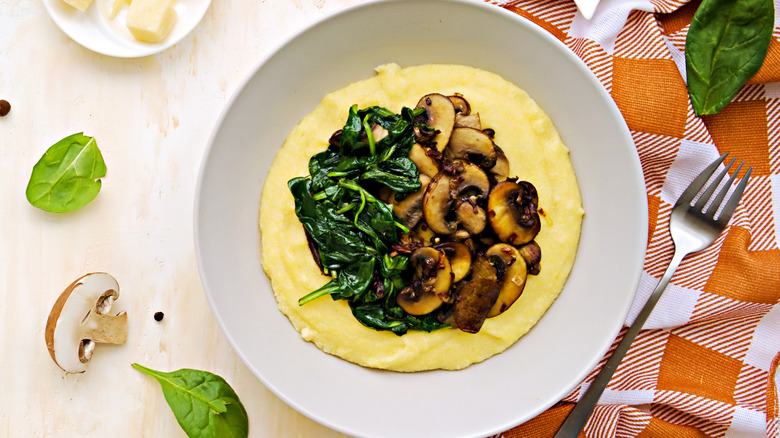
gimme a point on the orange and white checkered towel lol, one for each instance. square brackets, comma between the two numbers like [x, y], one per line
[705, 364]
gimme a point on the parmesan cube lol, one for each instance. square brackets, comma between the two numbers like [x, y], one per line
[150, 20]
[81, 5]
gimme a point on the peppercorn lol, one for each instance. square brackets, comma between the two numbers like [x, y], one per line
[5, 108]
[158, 316]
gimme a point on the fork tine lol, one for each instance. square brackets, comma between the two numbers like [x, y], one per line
[696, 185]
[713, 186]
[713, 208]
[731, 205]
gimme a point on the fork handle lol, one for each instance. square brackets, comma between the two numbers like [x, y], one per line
[579, 415]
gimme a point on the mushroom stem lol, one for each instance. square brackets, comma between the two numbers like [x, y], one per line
[105, 329]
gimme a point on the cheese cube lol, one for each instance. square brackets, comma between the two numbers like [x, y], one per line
[79, 4]
[150, 20]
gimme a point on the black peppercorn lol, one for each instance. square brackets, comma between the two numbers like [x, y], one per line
[5, 108]
[158, 316]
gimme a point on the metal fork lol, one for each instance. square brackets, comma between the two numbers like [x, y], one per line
[693, 228]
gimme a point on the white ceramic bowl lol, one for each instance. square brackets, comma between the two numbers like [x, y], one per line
[486, 398]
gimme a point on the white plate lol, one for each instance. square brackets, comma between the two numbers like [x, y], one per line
[94, 29]
[507, 389]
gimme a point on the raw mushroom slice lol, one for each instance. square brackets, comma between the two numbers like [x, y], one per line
[511, 273]
[80, 319]
[512, 212]
[444, 189]
[431, 282]
[473, 145]
[440, 116]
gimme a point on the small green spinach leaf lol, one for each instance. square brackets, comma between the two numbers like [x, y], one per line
[66, 177]
[203, 403]
[726, 45]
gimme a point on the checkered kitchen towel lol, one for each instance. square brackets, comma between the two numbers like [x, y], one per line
[705, 364]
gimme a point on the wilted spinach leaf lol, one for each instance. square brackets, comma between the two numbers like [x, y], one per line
[353, 231]
[726, 45]
[66, 177]
[203, 403]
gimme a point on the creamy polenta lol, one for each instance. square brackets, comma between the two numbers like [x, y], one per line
[535, 153]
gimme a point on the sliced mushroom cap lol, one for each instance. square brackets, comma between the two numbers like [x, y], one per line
[424, 160]
[512, 212]
[471, 144]
[501, 169]
[444, 189]
[511, 273]
[409, 209]
[468, 121]
[532, 254]
[460, 103]
[431, 282]
[470, 216]
[80, 318]
[459, 256]
[422, 233]
[473, 301]
[440, 116]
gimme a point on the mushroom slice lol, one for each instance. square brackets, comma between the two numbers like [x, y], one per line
[511, 272]
[470, 216]
[500, 170]
[473, 301]
[431, 281]
[512, 212]
[459, 256]
[378, 132]
[468, 121]
[473, 145]
[532, 254]
[440, 116]
[409, 209]
[460, 103]
[445, 188]
[80, 319]
[423, 160]
[423, 234]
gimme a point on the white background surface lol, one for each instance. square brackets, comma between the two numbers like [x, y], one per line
[151, 118]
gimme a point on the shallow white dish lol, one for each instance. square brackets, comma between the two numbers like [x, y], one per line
[486, 398]
[94, 29]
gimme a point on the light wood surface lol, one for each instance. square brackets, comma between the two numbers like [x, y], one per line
[151, 118]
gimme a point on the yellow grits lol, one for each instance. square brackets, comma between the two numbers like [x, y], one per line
[535, 153]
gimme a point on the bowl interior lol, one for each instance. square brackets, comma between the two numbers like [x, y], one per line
[486, 398]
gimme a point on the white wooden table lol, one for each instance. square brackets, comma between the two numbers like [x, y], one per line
[151, 118]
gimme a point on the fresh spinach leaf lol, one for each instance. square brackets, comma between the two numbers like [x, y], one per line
[203, 403]
[66, 177]
[726, 45]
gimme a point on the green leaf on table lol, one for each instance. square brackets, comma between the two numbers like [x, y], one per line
[203, 403]
[726, 45]
[66, 177]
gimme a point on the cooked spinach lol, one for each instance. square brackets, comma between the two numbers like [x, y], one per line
[352, 230]
[66, 177]
[726, 45]
[203, 403]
